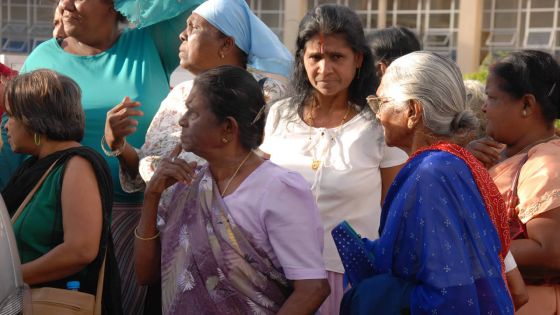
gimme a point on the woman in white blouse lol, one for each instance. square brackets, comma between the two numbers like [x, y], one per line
[327, 133]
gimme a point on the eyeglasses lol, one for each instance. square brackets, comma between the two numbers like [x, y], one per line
[376, 102]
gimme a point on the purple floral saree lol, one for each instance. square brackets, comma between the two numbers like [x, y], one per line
[208, 266]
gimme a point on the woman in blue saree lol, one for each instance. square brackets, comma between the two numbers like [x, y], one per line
[443, 232]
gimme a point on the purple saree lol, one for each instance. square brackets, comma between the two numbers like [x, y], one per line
[208, 266]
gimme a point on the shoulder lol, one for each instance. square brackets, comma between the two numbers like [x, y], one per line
[438, 163]
[281, 178]
[45, 51]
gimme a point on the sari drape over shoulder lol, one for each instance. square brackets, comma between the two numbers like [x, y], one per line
[444, 232]
[207, 263]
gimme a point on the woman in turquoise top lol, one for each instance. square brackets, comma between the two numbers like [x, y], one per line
[62, 233]
[110, 64]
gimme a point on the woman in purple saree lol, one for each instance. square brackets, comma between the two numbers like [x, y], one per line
[238, 235]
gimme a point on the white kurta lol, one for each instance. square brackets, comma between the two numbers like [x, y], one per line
[347, 184]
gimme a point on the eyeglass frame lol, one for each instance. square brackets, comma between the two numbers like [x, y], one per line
[375, 103]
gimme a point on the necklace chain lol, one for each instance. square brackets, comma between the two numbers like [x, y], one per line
[235, 173]
[315, 162]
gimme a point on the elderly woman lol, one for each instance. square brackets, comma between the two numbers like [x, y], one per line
[219, 32]
[62, 224]
[443, 228]
[327, 133]
[109, 63]
[240, 234]
[523, 92]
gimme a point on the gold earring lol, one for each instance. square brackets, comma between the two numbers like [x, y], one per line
[37, 139]
[222, 56]
[225, 140]
[410, 124]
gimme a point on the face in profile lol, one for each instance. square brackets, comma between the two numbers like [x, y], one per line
[200, 127]
[20, 137]
[200, 45]
[393, 119]
[330, 63]
[502, 111]
[58, 26]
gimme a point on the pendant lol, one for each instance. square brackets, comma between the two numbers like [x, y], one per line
[315, 164]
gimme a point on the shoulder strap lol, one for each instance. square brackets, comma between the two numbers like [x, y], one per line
[31, 193]
[99, 293]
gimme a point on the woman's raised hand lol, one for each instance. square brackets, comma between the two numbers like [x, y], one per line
[171, 170]
[486, 150]
[119, 122]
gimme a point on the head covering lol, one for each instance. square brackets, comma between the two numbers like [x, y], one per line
[234, 18]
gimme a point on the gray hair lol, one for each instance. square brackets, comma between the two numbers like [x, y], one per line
[475, 99]
[437, 83]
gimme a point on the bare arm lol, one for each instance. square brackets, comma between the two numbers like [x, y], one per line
[307, 297]
[82, 221]
[387, 176]
[119, 124]
[539, 255]
[147, 253]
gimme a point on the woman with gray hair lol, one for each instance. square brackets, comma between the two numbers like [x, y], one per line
[443, 233]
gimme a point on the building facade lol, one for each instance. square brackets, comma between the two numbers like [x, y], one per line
[465, 30]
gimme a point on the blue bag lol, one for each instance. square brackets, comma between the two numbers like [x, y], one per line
[357, 260]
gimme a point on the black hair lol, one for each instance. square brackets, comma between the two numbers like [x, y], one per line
[531, 72]
[48, 103]
[331, 19]
[391, 43]
[233, 92]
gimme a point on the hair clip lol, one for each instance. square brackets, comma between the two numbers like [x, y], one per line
[259, 115]
[551, 89]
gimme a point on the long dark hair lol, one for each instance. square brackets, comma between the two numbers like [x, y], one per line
[330, 19]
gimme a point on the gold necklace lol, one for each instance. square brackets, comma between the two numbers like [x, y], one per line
[315, 162]
[235, 173]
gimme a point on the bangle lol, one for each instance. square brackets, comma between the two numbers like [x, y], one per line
[108, 151]
[144, 238]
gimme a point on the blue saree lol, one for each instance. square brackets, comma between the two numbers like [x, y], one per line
[439, 250]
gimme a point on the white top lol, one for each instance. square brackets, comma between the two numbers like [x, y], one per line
[347, 184]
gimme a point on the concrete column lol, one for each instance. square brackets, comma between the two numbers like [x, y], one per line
[469, 35]
[294, 10]
[382, 14]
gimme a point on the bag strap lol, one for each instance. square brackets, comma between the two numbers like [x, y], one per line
[32, 193]
[100, 280]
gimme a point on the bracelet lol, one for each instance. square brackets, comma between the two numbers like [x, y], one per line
[108, 151]
[144, 238]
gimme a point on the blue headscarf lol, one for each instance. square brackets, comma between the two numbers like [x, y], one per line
[234, 18]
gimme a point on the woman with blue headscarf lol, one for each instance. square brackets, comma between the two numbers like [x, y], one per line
[218, 32]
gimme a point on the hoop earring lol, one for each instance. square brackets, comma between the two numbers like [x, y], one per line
[36, 139]
[359, 69]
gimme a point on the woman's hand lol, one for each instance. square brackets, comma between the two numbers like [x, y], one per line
[170, 171]
[119, 123]
[486, 150]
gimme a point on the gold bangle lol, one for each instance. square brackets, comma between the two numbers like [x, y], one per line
[144, 238]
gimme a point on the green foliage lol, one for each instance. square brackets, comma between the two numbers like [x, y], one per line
[482, 72]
